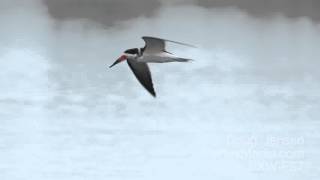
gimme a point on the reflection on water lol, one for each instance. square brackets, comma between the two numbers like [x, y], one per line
[243, 106]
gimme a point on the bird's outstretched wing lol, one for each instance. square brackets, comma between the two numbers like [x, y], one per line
[142, 73]
[156, 45]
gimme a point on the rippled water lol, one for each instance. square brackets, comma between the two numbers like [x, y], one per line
[246, 108]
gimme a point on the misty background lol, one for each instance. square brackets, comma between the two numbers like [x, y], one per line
[246, 108]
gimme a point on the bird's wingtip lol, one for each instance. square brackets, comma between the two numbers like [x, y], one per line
[154, 95]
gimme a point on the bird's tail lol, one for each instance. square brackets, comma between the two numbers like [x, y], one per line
[183, 60]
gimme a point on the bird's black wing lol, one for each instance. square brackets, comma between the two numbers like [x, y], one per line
[142, 73]
[155, 45]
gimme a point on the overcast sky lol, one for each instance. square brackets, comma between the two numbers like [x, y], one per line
[246, 108]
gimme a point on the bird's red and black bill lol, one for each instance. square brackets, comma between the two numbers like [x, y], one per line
[120, 59]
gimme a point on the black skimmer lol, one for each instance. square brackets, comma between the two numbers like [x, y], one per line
[153, 52]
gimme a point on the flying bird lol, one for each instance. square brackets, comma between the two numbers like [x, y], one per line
[154, 51]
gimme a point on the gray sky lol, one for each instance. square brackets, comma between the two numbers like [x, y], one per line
[110, 11]
[249, 101]
[102, 11]
[265, 8]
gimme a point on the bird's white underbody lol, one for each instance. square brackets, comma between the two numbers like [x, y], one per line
[160, 58]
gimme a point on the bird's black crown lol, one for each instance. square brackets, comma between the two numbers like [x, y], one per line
[132, 51]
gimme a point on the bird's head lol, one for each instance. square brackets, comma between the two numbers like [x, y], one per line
[128, 54]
